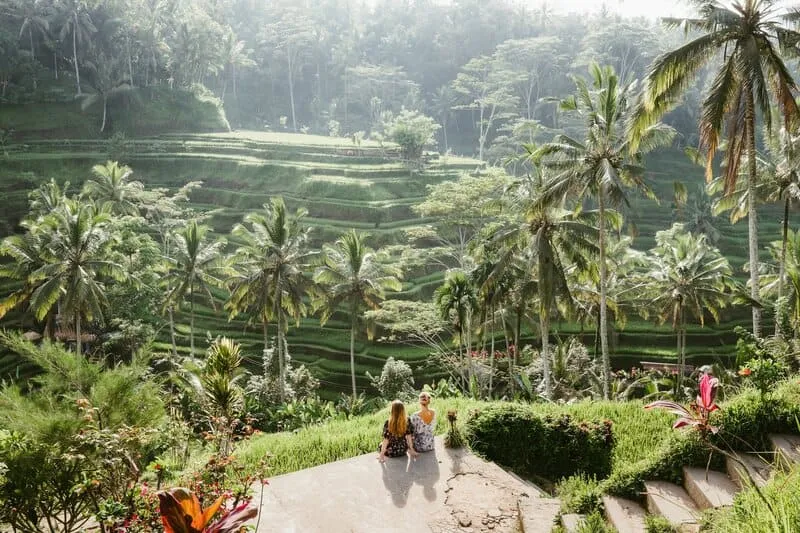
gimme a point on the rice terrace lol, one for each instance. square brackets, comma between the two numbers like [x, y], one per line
[406, 265]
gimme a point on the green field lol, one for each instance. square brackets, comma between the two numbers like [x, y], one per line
[346, 186]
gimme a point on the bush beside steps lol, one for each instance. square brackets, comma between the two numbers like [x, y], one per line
[681, 507]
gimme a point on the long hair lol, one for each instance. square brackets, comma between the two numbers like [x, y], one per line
[397, 419]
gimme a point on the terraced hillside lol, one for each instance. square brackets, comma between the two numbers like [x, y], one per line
[343, 186]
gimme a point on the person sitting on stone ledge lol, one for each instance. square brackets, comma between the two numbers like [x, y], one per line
[398, 434]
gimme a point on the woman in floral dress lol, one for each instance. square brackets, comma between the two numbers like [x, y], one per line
[424, 424]
[397, 434]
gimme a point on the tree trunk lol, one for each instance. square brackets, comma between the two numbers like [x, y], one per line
[544, 326]
[444, 132]
[191, 320]
[33, 51]
[481, 136]
[78, 333]
[75, 52]
[291, 85]
[55, 63]
[105, 107]
[264, 353]
[171, 312]
[752, 216]
[782, 266]
[491, 356]
[130, 61]
[353, 355]
[279, 350]
[603, 315]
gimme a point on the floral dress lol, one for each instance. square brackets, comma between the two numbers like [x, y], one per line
[397, 446]
[423, 433]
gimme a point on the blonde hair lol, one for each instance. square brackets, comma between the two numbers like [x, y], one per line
[397, 419]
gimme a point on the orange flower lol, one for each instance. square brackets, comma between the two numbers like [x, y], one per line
[745, 372]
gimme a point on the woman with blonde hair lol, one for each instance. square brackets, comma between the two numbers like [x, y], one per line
[397, 434]
[423, 424]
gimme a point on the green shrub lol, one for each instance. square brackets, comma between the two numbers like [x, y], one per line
[518, 438]
[746, 420]
[658, 524]
[579, 494]
[595, 523]
[395, 382]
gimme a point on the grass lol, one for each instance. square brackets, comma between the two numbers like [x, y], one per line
[636, 431]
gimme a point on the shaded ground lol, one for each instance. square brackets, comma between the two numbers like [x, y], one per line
[442, 491]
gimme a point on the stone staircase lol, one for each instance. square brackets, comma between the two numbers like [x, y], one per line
[701, 490]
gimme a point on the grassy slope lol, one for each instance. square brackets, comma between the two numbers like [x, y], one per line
[343, 186]
[637, 432]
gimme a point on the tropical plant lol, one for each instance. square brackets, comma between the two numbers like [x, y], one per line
[112, 189]
[697, 415]
[195, 263]
[181, 512]
[457, 302]
[268, 280]
[751, 77]
[352, 275]
[604, 164]
[78, 23]
[687, 277]
[558, 240]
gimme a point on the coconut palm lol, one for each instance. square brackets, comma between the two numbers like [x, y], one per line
[113, 189]
[457, 302]
[33, 16]
[604, 164]
[107, 78]
[352, 276]
[752, 76]
[195, 264]
[787, 251]
[78, 23]
[75, 260]
[27, 252]
[687, 277]
[269, 280]
[558, 239]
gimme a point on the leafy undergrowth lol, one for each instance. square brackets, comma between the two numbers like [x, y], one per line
[636, 432]
[745, 420]
[777, 512]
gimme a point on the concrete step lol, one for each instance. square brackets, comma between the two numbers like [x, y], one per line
[787, 448]
[538, 515]
[709, 488]
[756, 469]
[573, 522]
[673, 503]
[625, 515]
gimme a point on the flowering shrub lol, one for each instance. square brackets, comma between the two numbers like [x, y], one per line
[181, 512]
[763, 373]
[699, 411]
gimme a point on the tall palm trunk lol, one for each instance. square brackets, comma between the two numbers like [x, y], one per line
[105, 109]
[264, 353]
[75, 51]
[78, 333]
[491, 355]
[279, 350]
[353, 353]
[752, 216]
[291, 84]
[782, 266]
[544, 326]
[681, 352]
[191, 319]
[603, 314]
[171, 313]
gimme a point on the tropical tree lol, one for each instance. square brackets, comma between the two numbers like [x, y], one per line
[195, 264]
[78, 23]
[457, 302]
[269, 280]
[353, 276]
[604, 164]
[33, 17]
[558, 239]
[27, 252]
[687, 277]
[113, 189]
[75, 261]
[751, 77]
[107, 78]
[787, 251]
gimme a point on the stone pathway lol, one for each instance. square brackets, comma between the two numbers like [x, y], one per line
[443, 491]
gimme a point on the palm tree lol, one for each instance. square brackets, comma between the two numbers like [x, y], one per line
[687, 276]
[604, 164]
[78, 23]
[195, 263]
[787, 251]
[457, 302]
[27, 252]
[113, 189]
[107, 79]
[558, 239]
[751, 76]
[269, 281]
[234, 55]
[76, 258]
[352, 275]
[33, 15]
